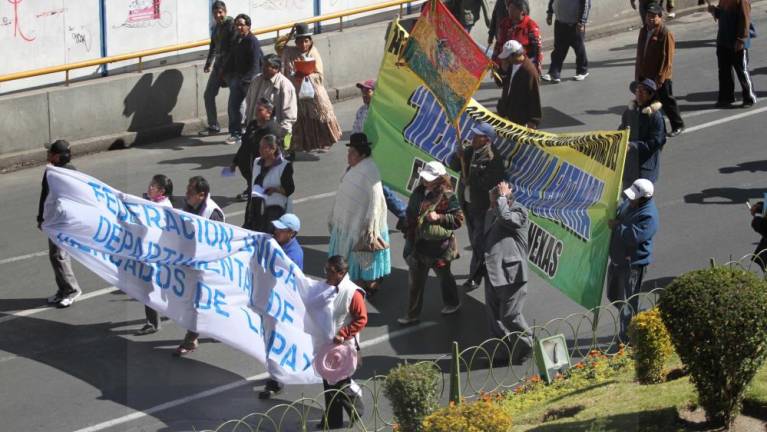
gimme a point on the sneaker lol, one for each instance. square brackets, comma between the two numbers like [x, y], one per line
[580, 77]
[146, 330]
[747, 104]
[184, 349]
[405, 321]
[671, 15]
[55, 299]
[676, 132]
[549, 78]
[209, 131]
[469, 286]
[68, 300]
[232, 140]
[242, 196]
[449, 310]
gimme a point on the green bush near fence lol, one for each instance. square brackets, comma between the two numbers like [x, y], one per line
[483, 415]
[413, 391]
[651, 345]
[717, 319]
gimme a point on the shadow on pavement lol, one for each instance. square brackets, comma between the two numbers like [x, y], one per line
[724, 195]
[751, 166]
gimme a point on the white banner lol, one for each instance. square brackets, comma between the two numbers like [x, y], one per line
[234, 285]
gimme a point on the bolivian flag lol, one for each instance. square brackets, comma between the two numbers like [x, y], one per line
[446, 58]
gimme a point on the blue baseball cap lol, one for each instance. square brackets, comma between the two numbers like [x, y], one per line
[484, 129]
[288, 221]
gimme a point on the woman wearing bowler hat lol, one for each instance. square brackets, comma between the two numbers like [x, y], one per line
[317, 127]
[358, 228]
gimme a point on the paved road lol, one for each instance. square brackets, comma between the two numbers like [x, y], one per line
[81, 369]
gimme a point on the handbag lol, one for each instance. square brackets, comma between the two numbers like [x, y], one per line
[370, 243]
[429, 231]
[307, 89]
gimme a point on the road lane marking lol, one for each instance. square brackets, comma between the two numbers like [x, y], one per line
[725, 120]
[37, 310]
[231, 386]
[232, 214]
[23, 257]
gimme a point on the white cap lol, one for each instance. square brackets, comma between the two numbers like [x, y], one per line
[511, 47]
[432, 170]
[642, 188]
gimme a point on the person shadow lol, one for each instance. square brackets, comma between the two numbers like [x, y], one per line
[150, 103]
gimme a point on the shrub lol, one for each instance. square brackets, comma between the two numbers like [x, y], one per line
[412, 391]
[717, 318]
[652, 346]
[483, 415]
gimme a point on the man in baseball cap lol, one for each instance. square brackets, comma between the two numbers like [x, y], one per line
[520, 99]
[631, 249]
[285, 230]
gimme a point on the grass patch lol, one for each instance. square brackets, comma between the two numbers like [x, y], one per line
[620, 404]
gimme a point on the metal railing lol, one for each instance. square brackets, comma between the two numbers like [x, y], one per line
[66, 68]
[597, 329]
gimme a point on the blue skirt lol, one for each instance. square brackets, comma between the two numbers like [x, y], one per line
[380, 267]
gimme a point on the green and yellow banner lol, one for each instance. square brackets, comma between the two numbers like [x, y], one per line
[569, 182]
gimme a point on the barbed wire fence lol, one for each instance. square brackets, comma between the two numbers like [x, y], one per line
[480, 369]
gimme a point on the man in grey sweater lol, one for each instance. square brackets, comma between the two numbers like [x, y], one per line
[569, 31]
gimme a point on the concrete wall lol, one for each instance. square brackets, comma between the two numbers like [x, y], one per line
[134, 108]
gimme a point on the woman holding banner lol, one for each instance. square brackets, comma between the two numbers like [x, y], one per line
[358, 228]
[316, 127]
[159, 192]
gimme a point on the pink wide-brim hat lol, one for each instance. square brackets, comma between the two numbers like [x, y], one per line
[335, 362]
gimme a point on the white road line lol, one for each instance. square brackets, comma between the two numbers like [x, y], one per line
[35, 311]
[725, 120]
[23, 257]
[231, 386]
[232, 214]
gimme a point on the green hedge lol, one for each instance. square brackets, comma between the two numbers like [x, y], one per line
[412, 390]
[717, 318]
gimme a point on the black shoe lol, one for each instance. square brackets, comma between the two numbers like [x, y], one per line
[324, 426]
[676, 132]
[271, 388]
[242, 197]
[469, 286]
[209, 131]
[723, 104]
[401, 224]
[146, 330]
[747, 104]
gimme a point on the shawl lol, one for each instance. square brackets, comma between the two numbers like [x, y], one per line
[359, 210]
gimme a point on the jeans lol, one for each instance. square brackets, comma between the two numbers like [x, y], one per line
[565, 37]
[238, 89]
[624, 282]
[62, 271]
[395, 205]
[215, 79]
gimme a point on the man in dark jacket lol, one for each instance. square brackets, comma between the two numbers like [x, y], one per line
[243, 65]
[648, 133]
[569, 31]
[222, 37]
[654, 60]
[733, 39]
[631, 249]
[59, 155]
[759, 224]
[484, 170]
[520, 100]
